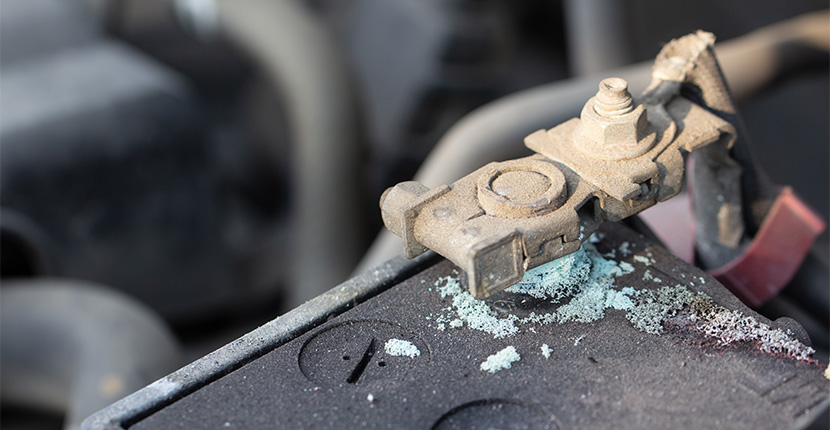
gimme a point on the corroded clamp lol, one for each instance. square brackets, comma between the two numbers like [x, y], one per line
[618, 158]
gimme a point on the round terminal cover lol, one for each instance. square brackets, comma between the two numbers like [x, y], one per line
[522, 189]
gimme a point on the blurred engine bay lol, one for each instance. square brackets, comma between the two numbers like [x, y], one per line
[175, 173]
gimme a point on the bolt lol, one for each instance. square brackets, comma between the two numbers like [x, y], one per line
[612, 126]
[613, 98]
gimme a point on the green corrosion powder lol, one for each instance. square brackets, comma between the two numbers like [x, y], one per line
[585, 282]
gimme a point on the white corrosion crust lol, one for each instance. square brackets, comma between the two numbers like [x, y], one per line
[401, 348]
[546, 350]
[503, 359]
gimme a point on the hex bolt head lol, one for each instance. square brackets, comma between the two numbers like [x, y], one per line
[613, 126]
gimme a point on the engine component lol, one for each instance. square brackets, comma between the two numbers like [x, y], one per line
[110, 178]
[35, 28]
[74, 347]
[619, 158]
[321, 104]
[380, 351]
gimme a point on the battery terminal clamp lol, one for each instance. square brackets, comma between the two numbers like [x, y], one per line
[620, 157]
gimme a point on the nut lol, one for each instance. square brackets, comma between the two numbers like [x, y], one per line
[613, 126]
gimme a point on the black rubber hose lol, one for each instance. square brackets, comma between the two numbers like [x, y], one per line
[306, 69]
[74, 347]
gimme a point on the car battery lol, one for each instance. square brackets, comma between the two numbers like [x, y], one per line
[620, 334]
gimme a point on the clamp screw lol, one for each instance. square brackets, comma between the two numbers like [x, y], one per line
[613, 98]
[613, 126]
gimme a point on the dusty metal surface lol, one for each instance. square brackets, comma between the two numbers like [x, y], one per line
[342, 373]
[620, 157]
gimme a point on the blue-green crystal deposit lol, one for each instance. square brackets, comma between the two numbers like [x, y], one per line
[585, 284]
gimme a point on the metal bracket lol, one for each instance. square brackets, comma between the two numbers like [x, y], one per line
[620, 157]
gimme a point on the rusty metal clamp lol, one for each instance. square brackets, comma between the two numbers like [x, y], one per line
[621, 156]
